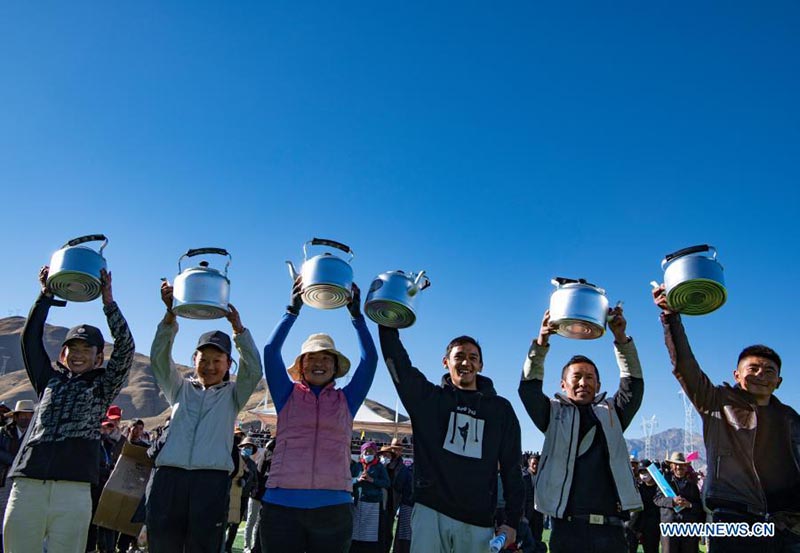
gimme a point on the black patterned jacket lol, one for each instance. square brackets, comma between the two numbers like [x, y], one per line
[63, 442]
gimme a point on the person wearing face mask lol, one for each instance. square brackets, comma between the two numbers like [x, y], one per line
[15, 424]
[187, 504]
[308, 500]
[245, 478]
[369, 487]
[644, 524]
[398, 497]
[59, 458]
[752, 440]
[585, 483]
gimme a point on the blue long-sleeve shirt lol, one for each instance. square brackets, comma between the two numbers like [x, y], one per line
[280, 388]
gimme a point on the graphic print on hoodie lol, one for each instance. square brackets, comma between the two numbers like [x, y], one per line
[466, 436]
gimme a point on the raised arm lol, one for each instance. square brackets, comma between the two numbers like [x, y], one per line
[34, 356]
[536, 403]
[278, 381]
[630, 393]
[356, 390]
[124, 348]
[412, 386]
[249, 361]
[698, 387]
[166, 373]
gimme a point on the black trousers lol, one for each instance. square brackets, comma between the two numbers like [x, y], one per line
[783, 541]
[680, 545]
[320, 530]
[582, 537]
[187, 510]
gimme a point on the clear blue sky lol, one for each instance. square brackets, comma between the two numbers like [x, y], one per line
[495, 146]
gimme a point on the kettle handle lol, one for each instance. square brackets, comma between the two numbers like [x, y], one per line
[561, 281]
[330, 243]
[686, 251]
[88, 238]
[202, 251]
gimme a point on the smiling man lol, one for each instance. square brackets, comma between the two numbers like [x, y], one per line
[585, 483]
[462, 431]
[752, 440]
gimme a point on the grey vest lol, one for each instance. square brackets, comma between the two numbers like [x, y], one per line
[554, 479]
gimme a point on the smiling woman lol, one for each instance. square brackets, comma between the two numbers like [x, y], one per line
[187, 505]
[310, 479]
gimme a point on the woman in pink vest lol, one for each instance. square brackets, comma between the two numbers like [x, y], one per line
[307, 506]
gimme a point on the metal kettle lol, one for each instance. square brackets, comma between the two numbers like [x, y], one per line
[202, 292]
[694, 283]
[393, 296]
[327, 279]
[75, 269]
[578, 308]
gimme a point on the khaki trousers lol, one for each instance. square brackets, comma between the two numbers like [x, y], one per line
[433, 532]
[59, 511]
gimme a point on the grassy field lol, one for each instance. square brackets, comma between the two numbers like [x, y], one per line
[239, 544]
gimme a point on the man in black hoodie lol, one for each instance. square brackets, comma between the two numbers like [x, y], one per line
[462, 430]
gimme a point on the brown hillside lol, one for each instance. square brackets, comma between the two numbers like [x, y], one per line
[139, 398]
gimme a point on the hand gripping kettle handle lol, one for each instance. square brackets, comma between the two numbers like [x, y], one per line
[686, 251]
[88, 238]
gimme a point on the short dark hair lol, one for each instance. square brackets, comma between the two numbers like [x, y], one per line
[460, 341]
[760, 350]
[579, 359]
[138, 422]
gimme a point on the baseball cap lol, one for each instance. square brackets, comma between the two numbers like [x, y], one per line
[88, 333]
[114, 412]
[215, 338]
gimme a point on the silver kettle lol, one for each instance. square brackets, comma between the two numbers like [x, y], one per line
[327, 279]
[202, 292]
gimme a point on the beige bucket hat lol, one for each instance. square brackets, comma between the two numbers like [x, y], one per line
[677, 458]
[315, 343]
[22, 406]
[396, 446]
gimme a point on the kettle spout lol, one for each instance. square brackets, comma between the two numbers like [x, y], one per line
[421, 281]
[292, 271]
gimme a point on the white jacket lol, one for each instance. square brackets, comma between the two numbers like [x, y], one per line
[200, 433]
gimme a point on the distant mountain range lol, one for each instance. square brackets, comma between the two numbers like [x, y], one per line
[664, 443]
